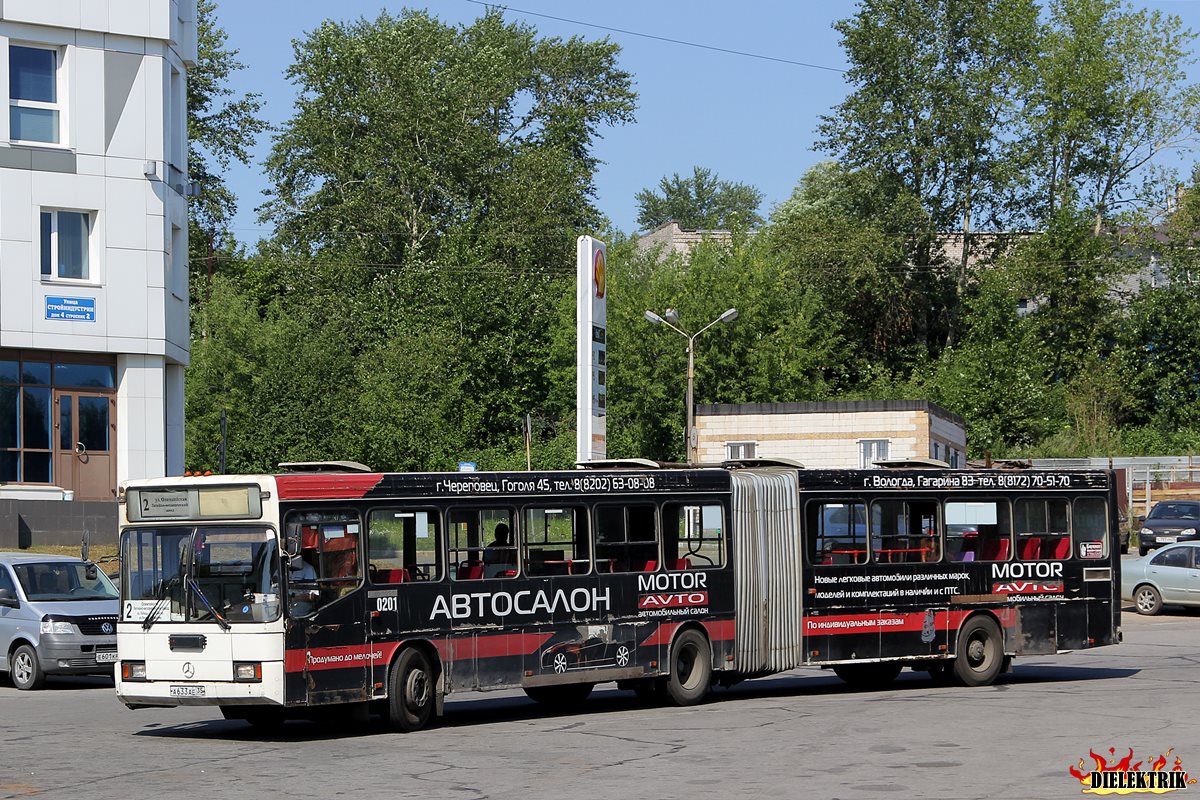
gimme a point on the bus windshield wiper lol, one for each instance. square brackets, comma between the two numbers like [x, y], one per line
[203, 599]
[164, 596]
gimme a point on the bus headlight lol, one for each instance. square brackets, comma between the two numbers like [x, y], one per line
[133, 670]
[247, 671]
[51, 627]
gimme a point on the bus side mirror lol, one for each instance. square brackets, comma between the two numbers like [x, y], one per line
[291, 545]
[7, 600]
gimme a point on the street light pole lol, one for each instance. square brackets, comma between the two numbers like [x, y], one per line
[671, 320]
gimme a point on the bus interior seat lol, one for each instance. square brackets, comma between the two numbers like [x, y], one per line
[966, 555]
[1062, 548]
[470, 570]
[391, 576]
[1031, 548]
[651, 565]
[681, 563]
[995, 550]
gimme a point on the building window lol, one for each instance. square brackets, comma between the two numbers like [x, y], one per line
[28, 389]
[870, 451]
[735, 451]
[33, 95]
[66, 244]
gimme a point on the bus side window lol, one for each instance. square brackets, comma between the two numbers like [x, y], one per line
[403, 545]
[905, 531]
[1042, 530]
[329, 550]
[836, 532]
[1089, 527]
[626, 538]
[555, 541]
[977, 530]
[693, 536]
[476, 550]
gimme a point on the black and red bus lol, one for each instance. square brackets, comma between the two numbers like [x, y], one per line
[277, 595]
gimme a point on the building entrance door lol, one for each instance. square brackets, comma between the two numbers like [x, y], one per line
[83, 457]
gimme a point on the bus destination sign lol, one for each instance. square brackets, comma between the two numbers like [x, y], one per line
[198, 502]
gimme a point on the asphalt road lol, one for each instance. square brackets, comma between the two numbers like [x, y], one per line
[800, 734]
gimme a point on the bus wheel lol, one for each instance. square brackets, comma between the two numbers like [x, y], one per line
[868, 676]
[413, 692]
[691, 669]
[568, 695]
[980, 652]
[1147, 600]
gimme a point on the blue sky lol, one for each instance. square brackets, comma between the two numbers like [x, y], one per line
[749, 119]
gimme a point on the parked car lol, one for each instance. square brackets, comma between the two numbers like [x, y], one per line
[1169, 521]
[58, 615]
[1168, 576]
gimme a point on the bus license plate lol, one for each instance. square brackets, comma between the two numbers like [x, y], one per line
[106, 657]
[187, 691]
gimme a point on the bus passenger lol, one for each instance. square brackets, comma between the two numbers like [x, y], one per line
[500, 556]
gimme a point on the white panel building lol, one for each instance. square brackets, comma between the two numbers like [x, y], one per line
[849, 434]
[93, 242]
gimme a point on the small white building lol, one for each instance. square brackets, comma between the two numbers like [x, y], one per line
[93, 242]
[834, 435]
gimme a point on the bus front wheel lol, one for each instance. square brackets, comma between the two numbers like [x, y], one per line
[691, 669]
[413, 692]
[980, 652]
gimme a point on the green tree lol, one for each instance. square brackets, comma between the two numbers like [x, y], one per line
[936, 86]
[222, 127]
[409, 133]
[1109, 94]
[700, 202]
[783, 346]
[847, 236]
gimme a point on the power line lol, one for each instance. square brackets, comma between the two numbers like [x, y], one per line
[697, 45]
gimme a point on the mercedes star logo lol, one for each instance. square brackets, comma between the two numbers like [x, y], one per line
[188, 669]
[106, 628]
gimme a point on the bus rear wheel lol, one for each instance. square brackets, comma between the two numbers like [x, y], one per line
[980, 652]
[691, 669]
[565, 696]
[868, 676]
[413, 692]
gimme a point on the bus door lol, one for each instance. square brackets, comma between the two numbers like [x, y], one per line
[328, 656]
[482, 557]
[404, 569]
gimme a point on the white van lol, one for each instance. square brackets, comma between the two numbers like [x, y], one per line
[58, 615]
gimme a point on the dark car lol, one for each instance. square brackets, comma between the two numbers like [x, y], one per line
[1170, 521]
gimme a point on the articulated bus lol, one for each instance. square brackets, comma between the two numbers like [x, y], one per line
[340, 590]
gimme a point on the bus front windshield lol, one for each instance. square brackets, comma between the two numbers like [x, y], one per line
[222, 574]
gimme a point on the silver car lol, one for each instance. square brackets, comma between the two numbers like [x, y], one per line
[58, 615]
[1169, 576]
